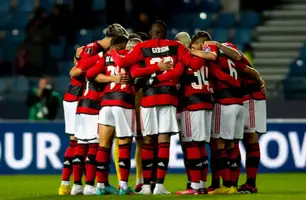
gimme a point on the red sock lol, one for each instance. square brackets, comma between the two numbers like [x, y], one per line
[234, 169]
[194, 161]
[204, 156]
[68, 157]
[223, 167]
[90, 164]
[252, 163]
[147, 156]
[102, 161]
[80, 152]
[163, 161]
[125, 161]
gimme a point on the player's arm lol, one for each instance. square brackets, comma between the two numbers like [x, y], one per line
[189, 60]
[209, 52]
[252, 73]
[84, 64]
[230, 51]
[133, 57]
[138, 71]
[95, 70]
[176, 72]
[215, 71]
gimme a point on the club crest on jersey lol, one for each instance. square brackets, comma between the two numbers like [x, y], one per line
[160, 49]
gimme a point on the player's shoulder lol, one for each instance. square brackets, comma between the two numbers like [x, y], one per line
[123, 52]
[230, 45]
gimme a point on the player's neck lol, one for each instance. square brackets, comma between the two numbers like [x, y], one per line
[104, 43]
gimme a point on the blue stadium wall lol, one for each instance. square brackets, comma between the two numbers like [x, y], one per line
[38, 148]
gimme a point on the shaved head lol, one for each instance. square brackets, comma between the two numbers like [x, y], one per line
[158, 30]
[184, 38]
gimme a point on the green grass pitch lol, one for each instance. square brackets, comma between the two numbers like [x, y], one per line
[289, 186]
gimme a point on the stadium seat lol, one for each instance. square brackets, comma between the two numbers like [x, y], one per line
[16, 36]
[26, 5]
[9, 50]
[22, 82]
[64, 68]
[84, 36]
[243, 36]
[249, 20]
[4, 5]
[220, 35]
[3, 19]
[99, 4]
[294, 85]
[56, 52]
[201, 21]
[298, 68]
[97, 34]
[19, 19]
[225, 20]
[303, 52]
[181, 20]
[210, 5]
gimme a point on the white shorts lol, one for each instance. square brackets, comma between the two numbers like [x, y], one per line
[124, 120]
[228, 122]
[159, 119]
[70, 116]
[255, 116]
[196, 125]
[87, 129]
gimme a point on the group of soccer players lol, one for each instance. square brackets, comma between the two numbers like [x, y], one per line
[127, 85]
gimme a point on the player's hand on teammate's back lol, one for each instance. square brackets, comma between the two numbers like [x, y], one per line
[263, 87]
[164, 66]
[122, 78]
[78, 51]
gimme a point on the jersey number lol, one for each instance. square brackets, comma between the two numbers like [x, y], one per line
[202, 76]
[113, 72]
[231, 66]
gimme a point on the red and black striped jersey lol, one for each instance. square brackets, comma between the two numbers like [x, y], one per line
[251, 86]
[76, 84]
[225, 78]
[114, 94]
[196, 89]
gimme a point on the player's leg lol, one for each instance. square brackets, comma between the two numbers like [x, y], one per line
[80, 152]
[252, 146]
[189, 130]
[116, 158]
[106, 130]
[70, 128]
[149, 123]
[91, 127]
[139, 178]
[234, 151]
[223, 132]
[167, 125]
[139, 143]
[125, 125]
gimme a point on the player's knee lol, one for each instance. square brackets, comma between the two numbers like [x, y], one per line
[125, 141]
[163, 138]
[147, 140]
[72, 138]
[251, 138]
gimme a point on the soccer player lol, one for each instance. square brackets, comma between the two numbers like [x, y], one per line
[255, 123]
[228, 119]
[196, 122]
[87, 115]
[70, 103]
[158, 105]
[139, 179]
[117, 114]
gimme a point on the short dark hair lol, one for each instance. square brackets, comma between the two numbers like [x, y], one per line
[134, 35]
[119, 39]
[116, 29]
[201, 34]
[160, 22]
[143, 36]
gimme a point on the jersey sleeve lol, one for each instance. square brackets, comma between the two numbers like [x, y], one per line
[131, 58]
[240, 66]
[210, 48]
[187, 59]
[96, 69]
[137, 71]
[88, 51]
[176, 72]
[232, 46]
[216, 72]
[84, 64]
